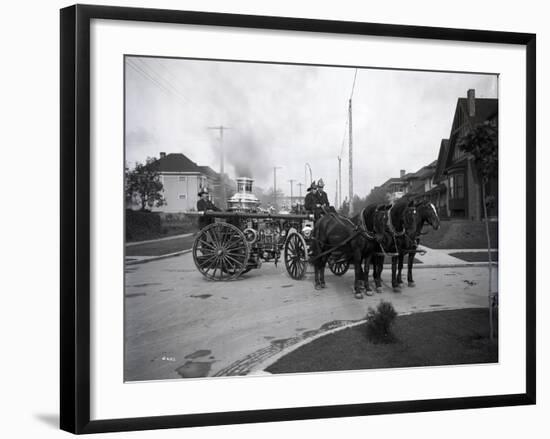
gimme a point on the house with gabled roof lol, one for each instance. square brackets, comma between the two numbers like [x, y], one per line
[455, 169]
[182, 179]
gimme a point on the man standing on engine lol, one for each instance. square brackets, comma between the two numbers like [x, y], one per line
[323, 197]
[311, 200]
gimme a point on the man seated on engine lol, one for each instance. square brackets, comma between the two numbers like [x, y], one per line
[204, 204]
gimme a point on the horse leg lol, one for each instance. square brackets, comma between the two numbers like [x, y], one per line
[366, 269]
[410, 279]
[394, 283]
[322, 273]
[359, 284]
[378, 265]
[316, 250]
[400, 259]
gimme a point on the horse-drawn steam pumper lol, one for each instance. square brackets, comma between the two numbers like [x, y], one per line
[244, 236]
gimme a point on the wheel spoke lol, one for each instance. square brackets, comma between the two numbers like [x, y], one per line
[206, 243]
[211, 236]
[236, 261]
[206, 261]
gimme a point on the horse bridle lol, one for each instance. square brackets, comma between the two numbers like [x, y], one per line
[396, 234]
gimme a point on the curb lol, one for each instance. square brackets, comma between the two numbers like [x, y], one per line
[259, 369]
[458, 265]
[167, 238]
[155, 258]
[387, 266]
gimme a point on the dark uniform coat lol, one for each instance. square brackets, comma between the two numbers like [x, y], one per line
[323, 197]
[310, 201]
[202, 206]
[313, 203]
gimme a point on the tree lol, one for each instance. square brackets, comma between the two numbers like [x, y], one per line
[358, 204]
[481, 143]
[144, 181]
[344, 209]
[377, 195]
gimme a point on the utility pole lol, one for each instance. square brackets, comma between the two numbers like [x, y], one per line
[350, 162]
[291, 190]
[300, 202]
[275, 185]
[339, 188]
[221, 129]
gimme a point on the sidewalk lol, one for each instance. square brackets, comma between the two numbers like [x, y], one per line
[168, 238]
[438, 257]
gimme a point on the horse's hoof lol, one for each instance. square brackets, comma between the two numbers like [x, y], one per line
[369, 292]
[379, 290]
[323, 285]
[412, 284]
[396, 289]
[318, 287]
[358, 295]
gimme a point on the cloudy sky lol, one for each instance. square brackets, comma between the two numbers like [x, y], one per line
[286, 115]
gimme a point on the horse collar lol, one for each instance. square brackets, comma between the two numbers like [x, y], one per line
[390, 224]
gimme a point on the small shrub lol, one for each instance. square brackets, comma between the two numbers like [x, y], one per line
[142, 225]
[379, 323]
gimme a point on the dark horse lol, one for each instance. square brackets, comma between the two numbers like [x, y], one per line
[402, 227]
[373, 220]
[336, 233]
[407, 220]
[426, 213]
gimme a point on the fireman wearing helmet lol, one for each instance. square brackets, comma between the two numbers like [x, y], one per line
[323, 197]
[311, 200]
[204, 204]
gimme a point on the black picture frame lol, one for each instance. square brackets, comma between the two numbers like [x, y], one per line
[75, 217]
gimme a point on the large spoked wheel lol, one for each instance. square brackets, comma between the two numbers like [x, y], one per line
[339, 267]
[295, 256]
[220, 252]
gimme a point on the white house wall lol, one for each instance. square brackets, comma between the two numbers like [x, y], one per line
[180, 192]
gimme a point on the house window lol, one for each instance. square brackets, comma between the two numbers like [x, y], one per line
[460, 186]
[456, 185]
[182, 178]
[183, 196]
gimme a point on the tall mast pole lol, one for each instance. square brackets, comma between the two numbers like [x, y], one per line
[339, 188]
[350, 161]
[221, 129]
[275, 185]
[291, 190]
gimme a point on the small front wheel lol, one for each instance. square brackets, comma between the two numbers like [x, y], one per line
[295, 256]
[338, 267]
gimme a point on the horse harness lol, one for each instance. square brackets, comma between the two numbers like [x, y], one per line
[357, 230]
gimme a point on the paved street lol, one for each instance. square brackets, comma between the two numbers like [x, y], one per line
[180, 325]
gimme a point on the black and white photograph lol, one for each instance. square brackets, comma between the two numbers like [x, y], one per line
[295, 218]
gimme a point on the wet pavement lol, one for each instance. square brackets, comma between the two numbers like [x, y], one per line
[179, 325]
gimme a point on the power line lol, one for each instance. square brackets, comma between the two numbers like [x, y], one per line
[163, 87]
[161, 78]
[353, 86]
